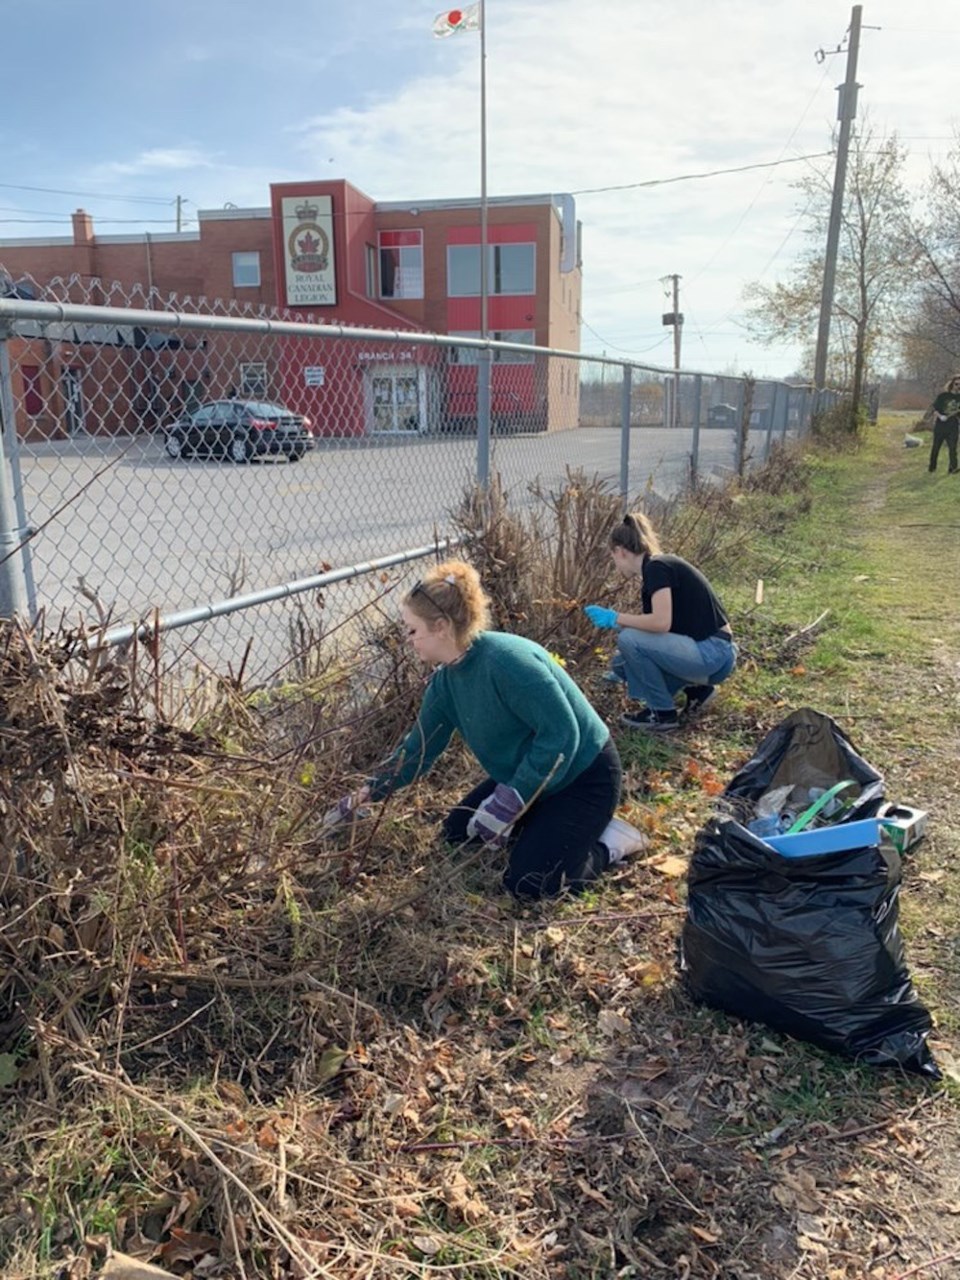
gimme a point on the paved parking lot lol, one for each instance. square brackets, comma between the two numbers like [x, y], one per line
[149, 532]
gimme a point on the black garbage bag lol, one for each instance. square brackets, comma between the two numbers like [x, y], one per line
[810, 946]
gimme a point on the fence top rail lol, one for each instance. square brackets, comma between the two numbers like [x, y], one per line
[158, 623]
[13, 310]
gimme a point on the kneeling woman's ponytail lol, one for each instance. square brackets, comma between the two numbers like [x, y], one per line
[636, 534]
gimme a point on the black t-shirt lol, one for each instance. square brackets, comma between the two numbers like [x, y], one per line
[696, 610]
[948, 403]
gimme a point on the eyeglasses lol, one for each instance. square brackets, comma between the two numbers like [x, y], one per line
[419, 588]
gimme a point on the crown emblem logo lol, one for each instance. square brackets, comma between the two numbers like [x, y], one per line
[307, 212]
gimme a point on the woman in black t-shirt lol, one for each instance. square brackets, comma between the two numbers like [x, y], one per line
[681, 640]
[946, 424]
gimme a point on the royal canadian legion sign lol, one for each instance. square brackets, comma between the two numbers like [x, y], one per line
[308, 251]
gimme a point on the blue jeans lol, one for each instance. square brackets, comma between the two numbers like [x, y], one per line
[657, 664]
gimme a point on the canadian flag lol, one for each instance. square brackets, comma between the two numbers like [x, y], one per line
[454, 20]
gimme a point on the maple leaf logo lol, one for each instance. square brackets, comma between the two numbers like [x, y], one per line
[308, 243]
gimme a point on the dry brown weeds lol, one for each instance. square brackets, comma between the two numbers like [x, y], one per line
[225, 1048]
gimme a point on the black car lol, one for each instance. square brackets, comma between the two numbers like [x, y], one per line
[239, 430]
[722, 415]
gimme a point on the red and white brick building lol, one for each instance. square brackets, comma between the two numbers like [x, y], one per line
[327, 252]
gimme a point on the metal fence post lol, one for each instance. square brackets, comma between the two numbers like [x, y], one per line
[16, 574]
[626, 397]
[788, 405]
[740, 434]
[771, 420]
[811, 398]
[484, 366]
[695, 446]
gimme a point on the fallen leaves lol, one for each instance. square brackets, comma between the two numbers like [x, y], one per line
[672, 866]
[797, 1190]
[121, 1266]
[329, 1064]
[232, 1093]
[462, 1204]
[188, 1246]
[611, 1023]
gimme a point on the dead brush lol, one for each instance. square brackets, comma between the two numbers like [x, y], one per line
[786, 470]
[541, 564]
[285, 1045]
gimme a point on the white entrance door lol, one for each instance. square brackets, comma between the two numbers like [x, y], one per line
[395, 401]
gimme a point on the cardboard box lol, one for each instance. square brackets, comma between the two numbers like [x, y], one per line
[904, 825]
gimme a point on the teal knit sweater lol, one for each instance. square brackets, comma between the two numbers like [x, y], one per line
[516, 709]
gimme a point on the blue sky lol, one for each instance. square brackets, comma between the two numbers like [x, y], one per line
[213, 101]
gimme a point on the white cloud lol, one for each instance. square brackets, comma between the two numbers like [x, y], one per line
[625, 93]
[158, 160]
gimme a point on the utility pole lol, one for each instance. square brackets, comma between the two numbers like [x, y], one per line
[179, 213]
[846, 113]
[675, 318]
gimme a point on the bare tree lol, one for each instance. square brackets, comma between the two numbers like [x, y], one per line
[930, 336]
[876, 258]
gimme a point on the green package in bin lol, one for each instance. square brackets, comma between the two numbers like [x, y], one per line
[903, 825]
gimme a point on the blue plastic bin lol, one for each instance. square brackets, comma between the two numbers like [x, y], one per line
[841, 836]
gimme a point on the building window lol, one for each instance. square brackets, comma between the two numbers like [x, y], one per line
[370, 266]
[401, 264]
[32, 398]
[471, 355]
[246, 270]
[511, 269]
[253, 381]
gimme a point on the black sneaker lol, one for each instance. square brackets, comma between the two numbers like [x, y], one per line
[698, 697]
[650, 720]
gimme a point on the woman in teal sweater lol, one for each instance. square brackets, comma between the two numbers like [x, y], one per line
[553, 772]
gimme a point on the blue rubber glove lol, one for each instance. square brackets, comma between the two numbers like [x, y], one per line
[600, 616]
[494, 818]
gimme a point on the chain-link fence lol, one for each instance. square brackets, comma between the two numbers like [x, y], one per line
[167, 457]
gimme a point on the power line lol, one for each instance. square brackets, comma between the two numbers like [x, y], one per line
[56, 215]
[629, 351]
[740, 221]
[692, 177]
[66, 222]
[624, 288]
[92, 195]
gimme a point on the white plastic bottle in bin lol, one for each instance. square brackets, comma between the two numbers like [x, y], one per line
[770, 820]
[766, 824]
[831, 808]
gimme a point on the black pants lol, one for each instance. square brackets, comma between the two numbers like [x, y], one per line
[945, 433]
[556, 844]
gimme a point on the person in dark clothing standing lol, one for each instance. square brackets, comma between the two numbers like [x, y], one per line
[946, 424]
[681, 639]
[554, 773]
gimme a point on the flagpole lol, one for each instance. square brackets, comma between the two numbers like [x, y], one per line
[485, 362]
[484, 281]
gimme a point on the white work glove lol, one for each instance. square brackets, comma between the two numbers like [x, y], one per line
[494, 819]
[347, 807]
